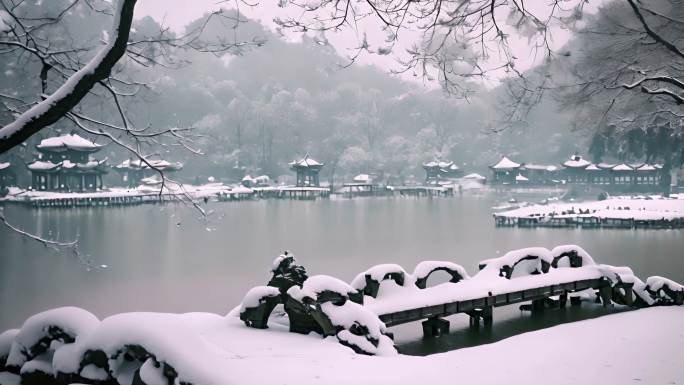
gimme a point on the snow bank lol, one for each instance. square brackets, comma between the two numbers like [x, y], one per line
[37, 333]
[256, 294]
[377, 273]
[561, 256]
[166, 337]
[423, 270]
[362, 329]
[6, 340]
[531, 260]
[656, 283]
[318, 284]
[637, 208]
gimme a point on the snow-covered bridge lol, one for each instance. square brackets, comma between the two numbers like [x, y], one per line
[386, 295]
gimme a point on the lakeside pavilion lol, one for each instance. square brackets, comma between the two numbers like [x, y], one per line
[579, 171]
[66, 163]
[307, 170]
[439, 170]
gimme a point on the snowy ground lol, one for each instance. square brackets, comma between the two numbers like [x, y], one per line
[201, 191]
[640, 207]
[642, 346]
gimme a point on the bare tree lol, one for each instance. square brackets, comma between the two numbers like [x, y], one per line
[70, 74]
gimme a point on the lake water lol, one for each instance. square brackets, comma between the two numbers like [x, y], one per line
[167, 259]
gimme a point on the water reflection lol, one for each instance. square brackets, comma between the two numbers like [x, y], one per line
[162, 258]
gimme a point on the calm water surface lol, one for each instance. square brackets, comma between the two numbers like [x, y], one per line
[164, 258]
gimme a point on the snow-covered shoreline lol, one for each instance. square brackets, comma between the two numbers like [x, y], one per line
[636, 208]
[642, 345]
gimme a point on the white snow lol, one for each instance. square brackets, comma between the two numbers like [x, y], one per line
[40, 165]
[6, 21]
[255, 294]
[564, 262]
[520, 178]
[646, 167]
[362, 178]
[317, 284]
[491, 267]
[72, 141]
[505, 164]
[424, 268]
[576, 161]
[169, 337]
[72, 320]
[378, 273]
[646, 208]
[642, 346]
[6, 339]
[622, 167]
[305, 162]
[475, 176]
[4, 165]
[655, 283]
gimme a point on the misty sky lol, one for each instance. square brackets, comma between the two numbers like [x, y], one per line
[345, 42]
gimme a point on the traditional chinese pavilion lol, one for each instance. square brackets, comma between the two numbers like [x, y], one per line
[66, 163]
[505, 171]
[435, 171]
[307, 170]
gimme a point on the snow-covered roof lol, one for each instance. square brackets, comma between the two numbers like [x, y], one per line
[605, 166]
[474, 176]
[68, 141]
[40, 165]
[4, 165]
[362, 178]
[592, 167]
[505, 164]
[622, 167]
[305, 162]
[576, 161]
[431, 164]
[521, 178]
[646, 167]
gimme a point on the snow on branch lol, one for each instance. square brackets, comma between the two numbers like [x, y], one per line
[76, 87]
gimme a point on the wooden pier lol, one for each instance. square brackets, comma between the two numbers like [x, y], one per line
[481, 308]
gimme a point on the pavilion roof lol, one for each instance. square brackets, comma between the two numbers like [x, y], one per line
[576, 161]
[505, 164]
[305, 162]
[68, 142]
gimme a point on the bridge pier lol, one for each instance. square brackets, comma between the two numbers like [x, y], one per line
[435, 327]
[575, 301]
[485, 313]
[606, 295]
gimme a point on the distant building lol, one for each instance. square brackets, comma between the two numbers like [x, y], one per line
[579, 171]
[307, 170]
[7, 176]
[436, 171]
[505, 171]
[66, 163]
[133, 171]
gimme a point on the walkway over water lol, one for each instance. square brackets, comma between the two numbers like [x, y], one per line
[386, 295]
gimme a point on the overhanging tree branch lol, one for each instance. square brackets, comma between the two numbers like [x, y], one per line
[66, 97]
